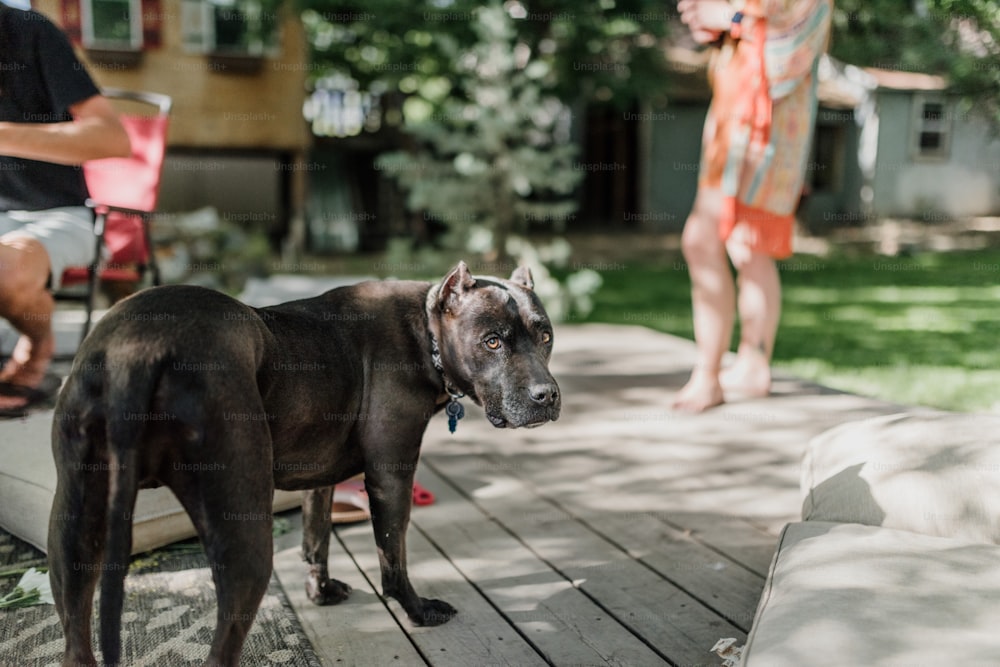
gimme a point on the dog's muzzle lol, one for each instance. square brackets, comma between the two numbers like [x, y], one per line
[539, 404]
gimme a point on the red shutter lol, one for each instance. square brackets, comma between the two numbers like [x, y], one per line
[71, 21]
[152, 24]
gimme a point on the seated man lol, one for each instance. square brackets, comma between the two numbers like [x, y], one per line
[52, 119]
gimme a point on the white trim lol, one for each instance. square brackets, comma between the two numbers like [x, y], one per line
[198, 23]
[135, 28]
[193, 26]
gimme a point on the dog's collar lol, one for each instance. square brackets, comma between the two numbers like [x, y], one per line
[449, 387]
[454, 408]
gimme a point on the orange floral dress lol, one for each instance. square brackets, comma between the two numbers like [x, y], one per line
[760, 123]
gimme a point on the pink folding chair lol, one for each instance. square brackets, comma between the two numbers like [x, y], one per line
[123, 195]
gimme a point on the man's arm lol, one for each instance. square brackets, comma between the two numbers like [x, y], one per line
[95, 132]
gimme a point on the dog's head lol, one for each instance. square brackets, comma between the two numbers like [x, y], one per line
[495, 341]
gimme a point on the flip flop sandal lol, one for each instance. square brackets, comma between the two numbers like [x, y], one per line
[422, 496]
[40, 396]
[350, 502]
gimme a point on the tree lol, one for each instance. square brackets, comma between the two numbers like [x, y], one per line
[494, 153]
[959, 39]
[487, 92]
[608, 50]
[611, 50]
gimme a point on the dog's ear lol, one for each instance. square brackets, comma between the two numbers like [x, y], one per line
[522, 276]
[454, 285]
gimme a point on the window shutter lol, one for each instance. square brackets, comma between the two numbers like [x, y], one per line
[72, 24]
[152, 23]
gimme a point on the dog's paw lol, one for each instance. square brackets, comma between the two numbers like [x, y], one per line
[433, 612]
[326, 591]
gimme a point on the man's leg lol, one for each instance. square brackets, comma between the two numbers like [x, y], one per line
[27, 305]
[713, 301]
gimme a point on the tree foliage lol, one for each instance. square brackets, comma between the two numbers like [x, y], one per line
[612, 50]
[609, 49]
[959, 39]
[495, 153]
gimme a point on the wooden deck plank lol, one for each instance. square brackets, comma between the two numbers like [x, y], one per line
[478, 635]
[733, 536]
[721, 583]
[358, 631]
[562, 623]
[715, 580]
[674, 624]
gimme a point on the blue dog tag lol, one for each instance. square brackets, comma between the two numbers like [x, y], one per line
[455, 411]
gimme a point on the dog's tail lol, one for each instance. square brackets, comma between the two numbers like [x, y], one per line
[128, 396]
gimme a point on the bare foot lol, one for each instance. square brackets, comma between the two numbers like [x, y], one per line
[749, 377]
[26, 368]
[701, 392]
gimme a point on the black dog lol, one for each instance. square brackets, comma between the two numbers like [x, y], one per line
[223, 403]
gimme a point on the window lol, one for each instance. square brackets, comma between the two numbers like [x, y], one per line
[931, 137]
[824, 170]
[114, 25]
[230, 27]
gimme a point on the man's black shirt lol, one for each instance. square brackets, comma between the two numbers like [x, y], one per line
[40, 79]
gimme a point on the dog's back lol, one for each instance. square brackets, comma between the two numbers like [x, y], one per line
[132, 414]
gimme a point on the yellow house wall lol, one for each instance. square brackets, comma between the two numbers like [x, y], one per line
[214, 107]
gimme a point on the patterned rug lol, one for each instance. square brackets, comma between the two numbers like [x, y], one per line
[168, 620]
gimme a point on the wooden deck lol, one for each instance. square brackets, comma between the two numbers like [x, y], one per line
[623, 534]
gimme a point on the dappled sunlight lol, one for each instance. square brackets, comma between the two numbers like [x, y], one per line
[921, 318]
[621, 448]
[834, 582]
[849, 314]
[621, 532]
[519, 597]
[496, 487]
[890, 295]
[622, 519]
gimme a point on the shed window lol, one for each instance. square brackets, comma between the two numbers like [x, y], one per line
[932, 127]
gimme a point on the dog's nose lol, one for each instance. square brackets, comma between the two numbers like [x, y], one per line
[544, 394]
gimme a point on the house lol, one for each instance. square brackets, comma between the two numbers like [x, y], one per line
[236, 72]
[937, 158]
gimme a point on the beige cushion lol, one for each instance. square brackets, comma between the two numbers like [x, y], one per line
[28, 482]
[928, 472]
[849, 595]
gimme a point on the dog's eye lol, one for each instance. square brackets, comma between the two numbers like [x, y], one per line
[493, 342]
[546, 337]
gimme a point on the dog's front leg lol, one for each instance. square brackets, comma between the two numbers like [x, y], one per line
[320, 588]
[390, 493]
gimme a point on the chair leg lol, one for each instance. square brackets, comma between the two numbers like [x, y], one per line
[147, 236]
[99, 222]
[89, 301]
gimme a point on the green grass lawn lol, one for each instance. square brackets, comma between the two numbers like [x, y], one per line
[922, 329]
